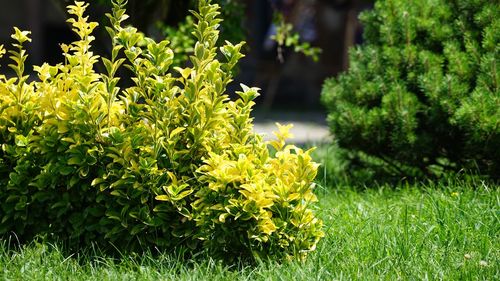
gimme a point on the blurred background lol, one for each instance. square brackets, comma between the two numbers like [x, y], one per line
[290, 81]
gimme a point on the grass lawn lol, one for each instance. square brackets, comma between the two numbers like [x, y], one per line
[429, 231]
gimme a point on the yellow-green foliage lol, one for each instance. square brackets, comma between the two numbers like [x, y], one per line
[167, 161]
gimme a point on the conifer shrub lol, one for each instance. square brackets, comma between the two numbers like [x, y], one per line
[168, 161]
[422, 93]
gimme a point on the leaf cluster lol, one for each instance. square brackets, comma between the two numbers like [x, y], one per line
[165, 162]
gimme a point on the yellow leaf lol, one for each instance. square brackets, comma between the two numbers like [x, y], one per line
[185, 72]
[293, 196]
[267, 226]
[176, 131]
[172, 177]
[162, 198]
[21, 36]
[96, 181]
[264, 203]
[283, 131]
[222, 217]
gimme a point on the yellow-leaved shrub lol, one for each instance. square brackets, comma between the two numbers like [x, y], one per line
[167, 161]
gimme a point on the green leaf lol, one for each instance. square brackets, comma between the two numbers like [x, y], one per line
[75, 160]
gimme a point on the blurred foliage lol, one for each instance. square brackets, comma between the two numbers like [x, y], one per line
[172, 18]
[286, 37]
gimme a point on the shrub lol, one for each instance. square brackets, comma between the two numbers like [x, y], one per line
[422, 92]
[168, 161]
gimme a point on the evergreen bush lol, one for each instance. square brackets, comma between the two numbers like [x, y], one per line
[169, 161]
[422, 93]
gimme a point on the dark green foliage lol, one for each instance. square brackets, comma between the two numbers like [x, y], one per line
[422, 93]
